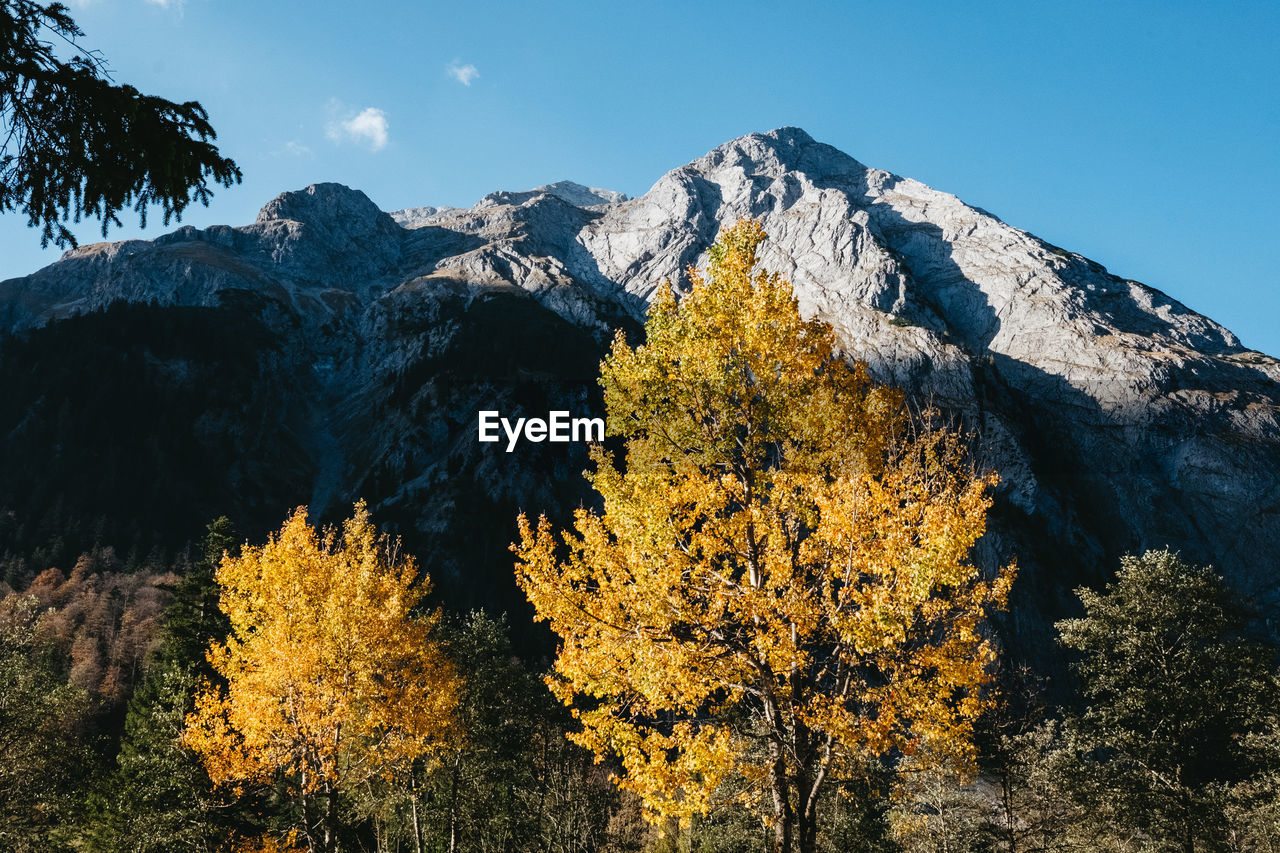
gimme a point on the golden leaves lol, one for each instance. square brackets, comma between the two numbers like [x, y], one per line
[783, 558]
[330, 677]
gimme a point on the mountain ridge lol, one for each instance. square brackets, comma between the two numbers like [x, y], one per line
[1118, 418]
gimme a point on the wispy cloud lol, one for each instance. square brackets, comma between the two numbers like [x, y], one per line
[294, 148]
[464, 74]
[176, 5]
[368, 127]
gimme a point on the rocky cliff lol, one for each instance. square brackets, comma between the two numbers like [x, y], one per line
[1118, 418]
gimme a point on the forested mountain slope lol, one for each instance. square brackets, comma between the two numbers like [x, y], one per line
[331, 350]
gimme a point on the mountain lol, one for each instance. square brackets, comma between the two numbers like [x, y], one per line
[345, 351]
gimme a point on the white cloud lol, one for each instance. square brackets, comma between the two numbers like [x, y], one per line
[163, 4]
[293, 148]
[464, 74]
[367, 127]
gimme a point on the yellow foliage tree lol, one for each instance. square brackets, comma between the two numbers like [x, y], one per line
[778, 587]
[331, 678]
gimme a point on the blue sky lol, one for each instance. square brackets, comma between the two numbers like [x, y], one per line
[1143, 135]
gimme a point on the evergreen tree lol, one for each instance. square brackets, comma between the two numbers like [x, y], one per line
[44, 752]
[193, 619]
[75, 144]
[1180, 705]
[510, 780]
[483, 784]
[160, 798]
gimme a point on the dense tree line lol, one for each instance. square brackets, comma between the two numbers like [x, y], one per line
[128, 427]
[98, 762]
[1173, 741]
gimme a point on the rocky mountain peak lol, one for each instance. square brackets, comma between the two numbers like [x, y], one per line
[1118, 418]
[567, 191]
[332, 207]
[780, 152]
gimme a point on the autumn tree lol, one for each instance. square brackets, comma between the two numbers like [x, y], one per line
[103, 619]
[331, 677]
[778, 586]
[43, 748]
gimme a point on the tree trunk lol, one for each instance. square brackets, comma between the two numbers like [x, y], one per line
[782, 814]
[814, 761]
[1011, 828]
[807, 815]
[453, 808]
[805, 832]
[330, 820]
[413, 801]
[305, 804]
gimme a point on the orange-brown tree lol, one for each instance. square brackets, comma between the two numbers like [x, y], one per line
[331, 678]
[778, 587]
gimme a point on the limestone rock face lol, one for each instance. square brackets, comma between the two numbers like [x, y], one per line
[412, 217]
[567, 191]
[1118, 418]
[317, 252]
